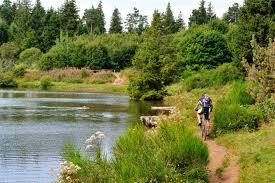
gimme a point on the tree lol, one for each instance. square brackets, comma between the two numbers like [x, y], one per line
[116, 24]
[210, 12]
[69, 17]
[156, 64]
[136, 23]
[232, 14]
[180, 22]
[37, 23]
[6, 12]
[199, 16]
[256, 17]
[169, 20]
[202, 48]
[157, 23]
[52, 29]
[4, 33]
[95, 20]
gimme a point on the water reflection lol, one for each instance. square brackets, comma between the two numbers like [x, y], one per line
[34, 126]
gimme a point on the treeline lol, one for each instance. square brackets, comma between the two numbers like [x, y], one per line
[161, 52]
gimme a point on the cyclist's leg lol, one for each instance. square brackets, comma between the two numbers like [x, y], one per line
[207, 119]
[199, 116]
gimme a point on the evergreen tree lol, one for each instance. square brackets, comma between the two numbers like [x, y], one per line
[210, 12]
[4, 33]
[116, 24]
[256, 17]
[37, 20]
[169, 20]
[94, 19]
[69, 17]
[52, 29]
[101, 18]
[199, 16]
[180, 22]
[6, 12]
[157, 23]
[232, 14]
[136, 23]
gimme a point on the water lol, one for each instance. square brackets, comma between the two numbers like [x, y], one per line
[34, 126]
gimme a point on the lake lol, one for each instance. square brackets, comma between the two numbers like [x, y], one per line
[35, 126]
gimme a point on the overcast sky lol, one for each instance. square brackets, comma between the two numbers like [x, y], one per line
[146, 7]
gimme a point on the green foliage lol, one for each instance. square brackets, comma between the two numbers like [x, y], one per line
[69, 17]
[94, 19]
[7, 81]
[173, 153]
[4, 33]
[6, 11]
[256, 17]
[199, 16]
[45, 83]
[30, 57]
[220, 76]
[8, 55]
[218, 25]
[231, 16]
[200, 48]
[234, 113]
[169, 21]
[116, 22]
[136, 23]
[19, 70]
[157, 67]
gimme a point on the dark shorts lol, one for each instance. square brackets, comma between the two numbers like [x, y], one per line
[205, 111]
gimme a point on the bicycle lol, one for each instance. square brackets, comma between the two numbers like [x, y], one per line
[204, 128]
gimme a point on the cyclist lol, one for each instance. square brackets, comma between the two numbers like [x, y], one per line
[206, 107]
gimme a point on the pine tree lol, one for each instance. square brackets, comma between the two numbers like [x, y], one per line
[37, 20]
[157, 25]
[94, 19]
[136, 23]
[116, 24]
[169, 20]
[69, 17]
[180, 22]
[101, 18]
[52, 29]
[6, 12]
[199, 16]
[210, 13]
[232, 14]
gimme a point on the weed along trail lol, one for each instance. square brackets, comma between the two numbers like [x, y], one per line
[221, 169]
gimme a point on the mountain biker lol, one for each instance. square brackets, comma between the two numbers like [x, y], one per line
[206, 107]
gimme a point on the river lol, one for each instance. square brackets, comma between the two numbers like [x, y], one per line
[34, 126]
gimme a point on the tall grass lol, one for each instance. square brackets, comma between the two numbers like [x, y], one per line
[170, 154]
[234, 111]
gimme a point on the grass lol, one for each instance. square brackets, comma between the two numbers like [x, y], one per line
[256, 151]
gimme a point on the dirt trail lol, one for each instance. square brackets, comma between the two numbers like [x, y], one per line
[119, 80]
[217, 155]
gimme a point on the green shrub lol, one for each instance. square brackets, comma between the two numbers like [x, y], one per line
[234, 111]
[19, 70]
[215, 77]
[45, 83]
[84, 73]
[30, 56]
[7, 81]
[8, 55]
[200, 48]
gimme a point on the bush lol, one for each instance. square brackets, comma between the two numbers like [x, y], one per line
[19, 70]
[30, 56]
[234, 111]
[215, 77]
[7, 81]
[8, 55]
[45, 83]
[203, 49]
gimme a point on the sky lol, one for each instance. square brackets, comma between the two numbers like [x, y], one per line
[146, 7]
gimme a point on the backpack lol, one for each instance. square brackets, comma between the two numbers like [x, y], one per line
[206, 102]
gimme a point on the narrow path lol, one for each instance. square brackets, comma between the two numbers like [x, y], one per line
[217, 156]
[119, 80]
